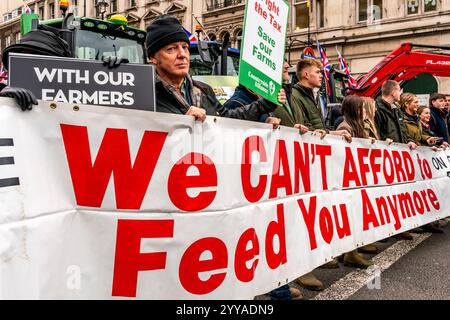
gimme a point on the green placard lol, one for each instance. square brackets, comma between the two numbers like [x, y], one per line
[263, 47]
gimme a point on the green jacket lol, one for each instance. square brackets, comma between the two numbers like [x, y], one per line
[389, 123]
[303, 98]
[414, 129]
[290, 115]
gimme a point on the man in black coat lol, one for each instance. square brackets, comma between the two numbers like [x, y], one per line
[438, 120]
[168, 49]
[46, 43]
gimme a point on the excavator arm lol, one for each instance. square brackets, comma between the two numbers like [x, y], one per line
[404, 64]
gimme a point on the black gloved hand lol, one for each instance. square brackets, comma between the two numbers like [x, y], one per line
[24, 97]
[113, 62]
[269, 106]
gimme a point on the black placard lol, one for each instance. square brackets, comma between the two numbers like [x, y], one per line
[76, 81]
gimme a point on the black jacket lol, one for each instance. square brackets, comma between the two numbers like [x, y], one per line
[166, 102]
[241, 97]
[389, 123]
[438, 123]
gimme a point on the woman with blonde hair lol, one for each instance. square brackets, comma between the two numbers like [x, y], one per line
[353, 112]
[409, 104]
[369, 118]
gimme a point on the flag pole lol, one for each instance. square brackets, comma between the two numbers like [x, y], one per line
[308, 5]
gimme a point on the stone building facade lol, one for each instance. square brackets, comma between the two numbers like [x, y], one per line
[364, 31]
[138, 12]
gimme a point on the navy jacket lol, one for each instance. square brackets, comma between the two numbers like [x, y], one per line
[438, 123]
[242, 97]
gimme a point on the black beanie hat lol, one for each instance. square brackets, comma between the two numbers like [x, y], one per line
[163, 31]
[41, 42]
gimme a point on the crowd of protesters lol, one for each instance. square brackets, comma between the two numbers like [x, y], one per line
[392, 117]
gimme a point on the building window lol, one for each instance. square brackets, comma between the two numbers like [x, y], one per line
[132, 3]
[301, 15]
[420, 6]
[377, 9]
[51, 11]
[320, 7]
[430, 5]
[16, 13]
[212, 37]
[41, 13]
[74, 7]
[225, 36]
[370, 10]
[412, 6]
[220, 4]
[7, 16]
[362, 10]
[113, 6]
[238, 39]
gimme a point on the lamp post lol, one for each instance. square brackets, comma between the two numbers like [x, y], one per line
[101, 7]
[291, 43]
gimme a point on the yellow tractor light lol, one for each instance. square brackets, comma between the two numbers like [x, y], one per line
[119, 20]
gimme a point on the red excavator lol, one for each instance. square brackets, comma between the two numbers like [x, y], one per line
[402, 65]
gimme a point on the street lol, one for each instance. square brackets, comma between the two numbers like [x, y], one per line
[420, 274]
[405, 270]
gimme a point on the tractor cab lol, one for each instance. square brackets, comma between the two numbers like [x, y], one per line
[208, 59]
[93, 39]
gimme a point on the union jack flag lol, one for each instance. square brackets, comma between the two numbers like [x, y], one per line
[326, 66]
[352, 83]
[192, 38]
[3, 76]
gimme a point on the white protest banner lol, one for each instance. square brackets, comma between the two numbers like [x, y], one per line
[108, 203]
[263, 46]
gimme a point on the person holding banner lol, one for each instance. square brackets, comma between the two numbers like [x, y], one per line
[284, 115]
[243, 96]
[353, 112]
[46, 43]
[290, 116]
[409, 104]
[389, 118]
[438, 121]
[389, 123]
[168, 49]
[369, 118]
[309, 73]
[293, 116]
[40, 42]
